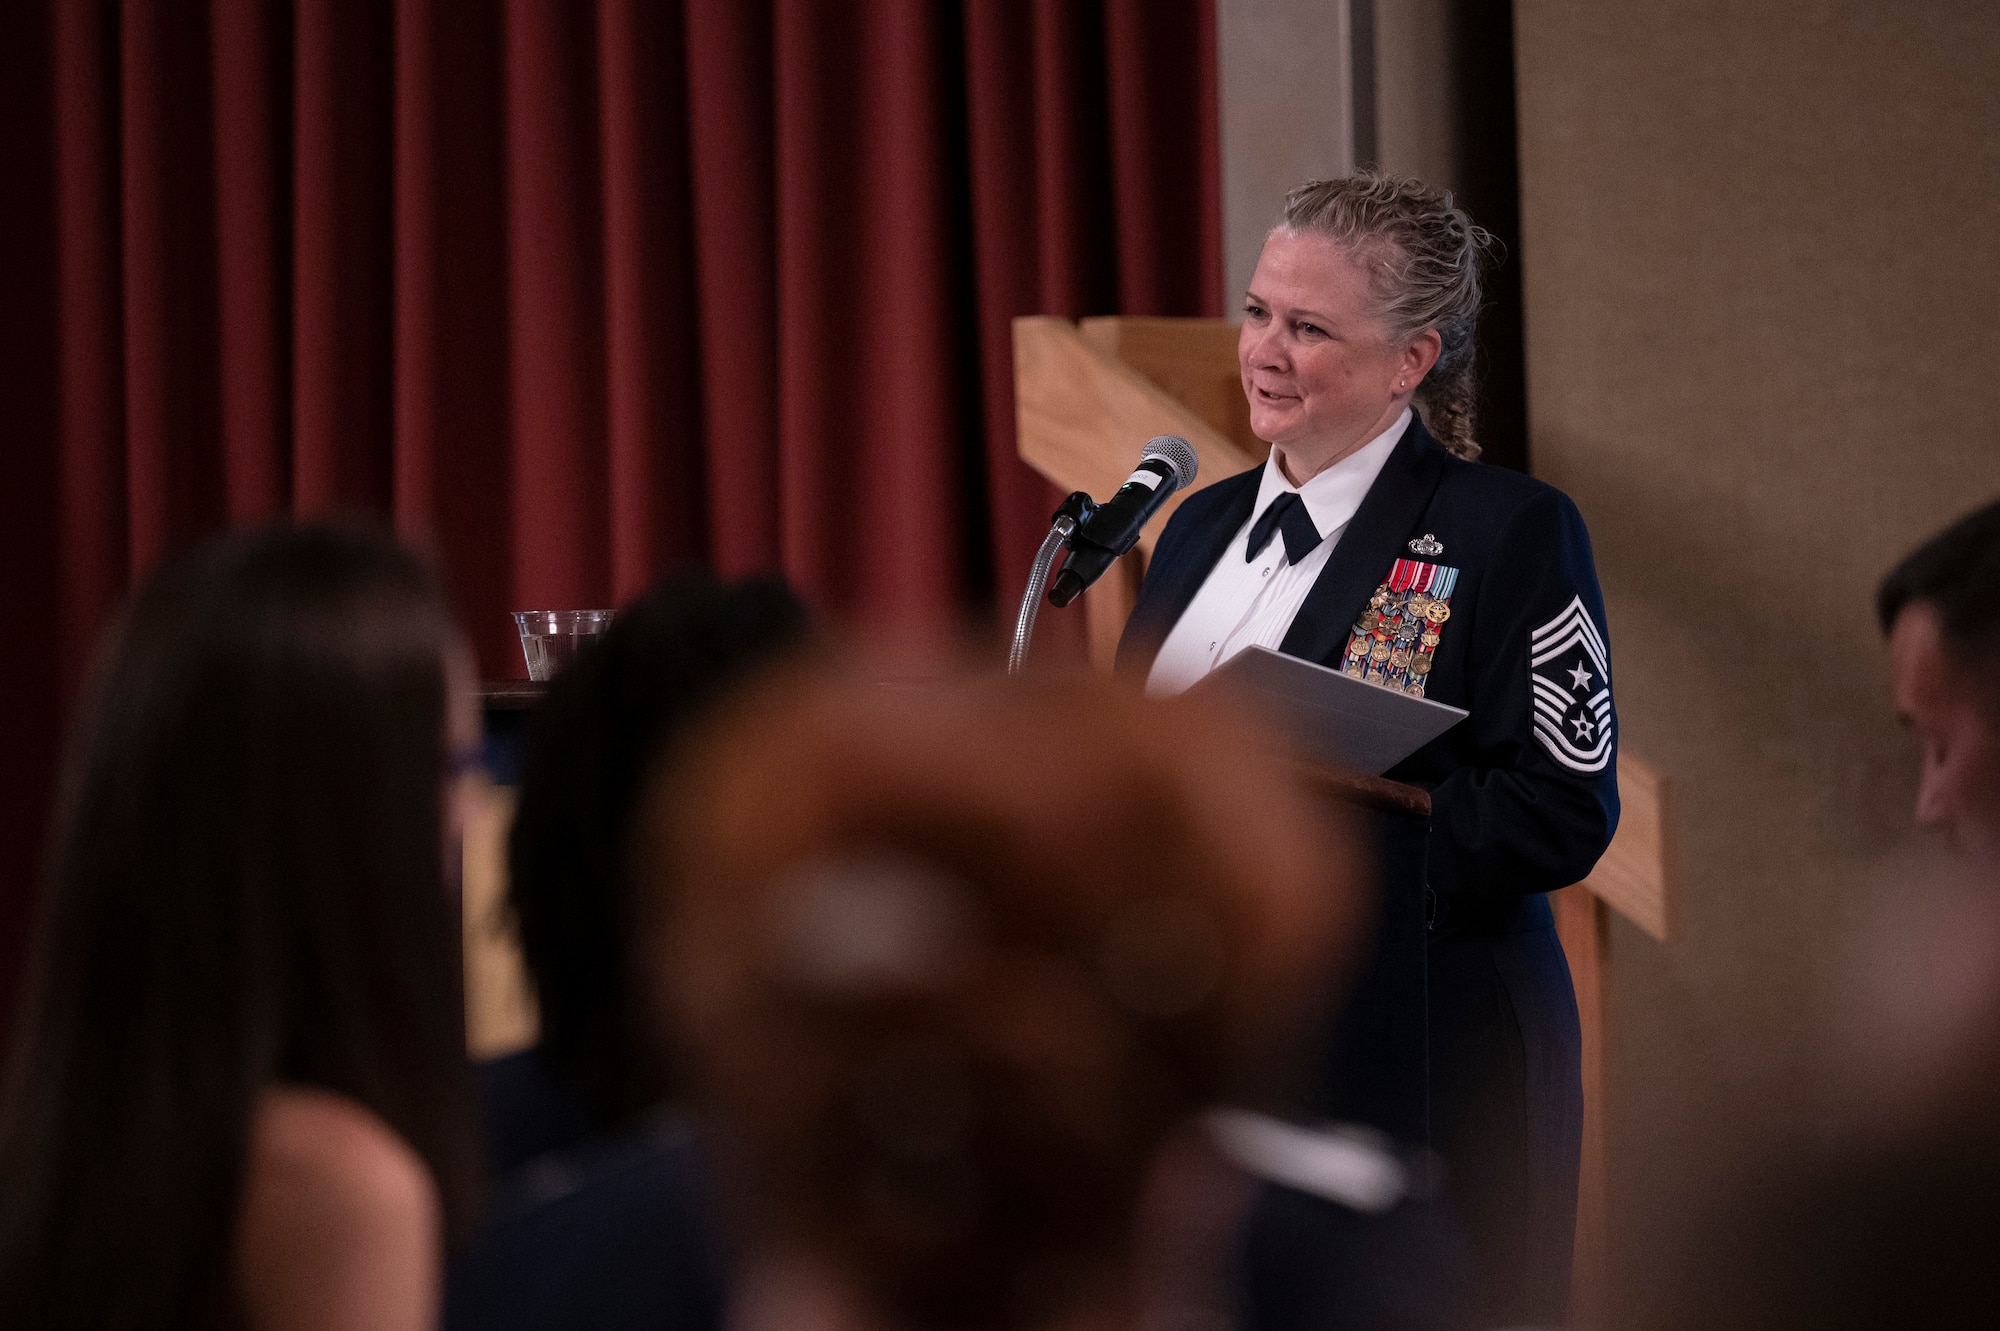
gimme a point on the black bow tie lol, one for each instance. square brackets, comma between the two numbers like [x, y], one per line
[1287, 513]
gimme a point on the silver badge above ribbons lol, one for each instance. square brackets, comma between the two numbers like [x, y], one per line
[1427, 544]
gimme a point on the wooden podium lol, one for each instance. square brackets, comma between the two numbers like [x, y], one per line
[1087, 395]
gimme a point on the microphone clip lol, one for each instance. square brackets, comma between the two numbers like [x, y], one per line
[1079, 508]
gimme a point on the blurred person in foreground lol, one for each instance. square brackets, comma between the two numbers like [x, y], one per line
[955, 969]
[600, 1213]
[1894, 1224]
[238, 1095]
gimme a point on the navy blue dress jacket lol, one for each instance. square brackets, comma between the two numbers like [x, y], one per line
[1524, 799]
[1513, 811]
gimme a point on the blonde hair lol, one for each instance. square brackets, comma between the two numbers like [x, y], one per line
[1423, 255]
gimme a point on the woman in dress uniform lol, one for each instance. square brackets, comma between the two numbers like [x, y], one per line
[1371, 541]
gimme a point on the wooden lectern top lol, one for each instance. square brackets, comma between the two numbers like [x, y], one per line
[1370, 792]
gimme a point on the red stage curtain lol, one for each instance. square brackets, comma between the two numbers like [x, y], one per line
[574, 291]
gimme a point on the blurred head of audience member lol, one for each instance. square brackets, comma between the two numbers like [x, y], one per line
[238, 1091]
[1894, 1222]
[953, 964]
[1941, 610]
[1928, 1038]
[667, 659]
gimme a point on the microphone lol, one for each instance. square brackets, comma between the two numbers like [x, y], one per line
[1106, 531]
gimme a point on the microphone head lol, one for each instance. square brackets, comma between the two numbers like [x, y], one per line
[1177, 453]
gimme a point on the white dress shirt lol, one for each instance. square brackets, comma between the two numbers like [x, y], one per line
[1251, 603]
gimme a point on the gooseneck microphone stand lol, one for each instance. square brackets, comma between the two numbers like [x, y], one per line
[1098, 534]
[1065, 523]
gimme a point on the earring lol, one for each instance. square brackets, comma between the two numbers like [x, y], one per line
[1402, 383]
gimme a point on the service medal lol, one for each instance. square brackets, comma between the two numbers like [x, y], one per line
[1409, 608]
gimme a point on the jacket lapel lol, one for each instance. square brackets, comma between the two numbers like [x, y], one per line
[1372, 542]
[1179, 569]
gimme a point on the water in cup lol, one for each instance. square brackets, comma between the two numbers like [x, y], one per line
[550, 638]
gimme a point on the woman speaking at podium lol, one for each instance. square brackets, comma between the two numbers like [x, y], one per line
[1371, 542]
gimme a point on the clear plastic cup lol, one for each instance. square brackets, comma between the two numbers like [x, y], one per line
[550, 638]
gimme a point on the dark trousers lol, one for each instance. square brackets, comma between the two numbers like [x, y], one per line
[1507, 1109]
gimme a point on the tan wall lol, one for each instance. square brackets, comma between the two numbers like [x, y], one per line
[1282, 68]
[1760, 248]
[1415, 97]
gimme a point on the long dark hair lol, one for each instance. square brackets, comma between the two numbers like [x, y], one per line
[246, 887]
[666, 661]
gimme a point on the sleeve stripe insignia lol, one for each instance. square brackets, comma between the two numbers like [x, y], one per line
[1565, 631]
[1571, 704]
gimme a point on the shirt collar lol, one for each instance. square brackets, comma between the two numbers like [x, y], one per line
[1332, 497]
